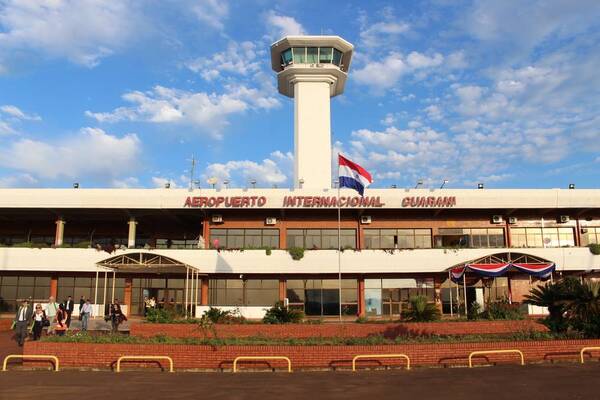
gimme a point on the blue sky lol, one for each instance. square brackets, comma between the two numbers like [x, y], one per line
[122, 93]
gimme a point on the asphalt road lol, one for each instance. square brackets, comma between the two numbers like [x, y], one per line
[558, 381]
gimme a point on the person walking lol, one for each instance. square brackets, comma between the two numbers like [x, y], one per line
[69, 310]
[81, 303]
[61, 320]
[22, 318]
[116, 316]
[39, 321]
[86, 312]
[51, 310]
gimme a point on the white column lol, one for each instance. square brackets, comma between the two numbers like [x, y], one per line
[312, 132]
[131, 236]
[60, 232]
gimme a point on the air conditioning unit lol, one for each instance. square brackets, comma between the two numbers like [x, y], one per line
[496, 219]
[365, 219]
[584, 230]
[564, 219]
[217, 218]
[512, 220]
[271, 221]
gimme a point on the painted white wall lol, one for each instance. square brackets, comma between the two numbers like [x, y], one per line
[249, 312]
[312, 133]
[314, 261]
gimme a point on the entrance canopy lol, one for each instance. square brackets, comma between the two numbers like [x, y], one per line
[144, 263]
[500, 264]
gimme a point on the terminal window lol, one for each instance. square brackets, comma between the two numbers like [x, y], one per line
[542, 237]
[244, 238]
[397, 238]
[590, 235]
[321, 238]
[470, 237]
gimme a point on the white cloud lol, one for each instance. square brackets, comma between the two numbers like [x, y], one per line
[211, 12]
[6, 129]
[206, 110]
[434, 113]
[517, 27]
[274, 170]
[82, 31]
[125, 183]
[387, 72]
[238, 59]
[15, 112]
[374, 35]
[92, 153]
[280, 26]
[18, 180]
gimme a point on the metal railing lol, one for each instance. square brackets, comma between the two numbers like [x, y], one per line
[375, 356]
[586, 349]
[475, 353]
[235, 361]
[145, 358]
[32, 357]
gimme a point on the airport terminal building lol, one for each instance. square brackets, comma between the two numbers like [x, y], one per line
[248, 248]
[230, 247]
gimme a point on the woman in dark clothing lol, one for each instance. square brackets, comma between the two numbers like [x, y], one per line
[61, 320]
[39, 319]
[116, 316]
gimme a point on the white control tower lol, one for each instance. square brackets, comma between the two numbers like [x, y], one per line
[311, 69]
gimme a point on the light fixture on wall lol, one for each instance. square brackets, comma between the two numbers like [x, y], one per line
[76, 185]
[419, 183]
[480, 186]
[444, 183]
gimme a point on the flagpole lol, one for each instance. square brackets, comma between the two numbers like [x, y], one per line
[339, 247]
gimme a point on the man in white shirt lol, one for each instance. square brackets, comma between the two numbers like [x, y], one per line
[22, 319]
[86, 312]
[51, 310]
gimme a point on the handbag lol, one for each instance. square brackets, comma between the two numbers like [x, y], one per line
[46, 322]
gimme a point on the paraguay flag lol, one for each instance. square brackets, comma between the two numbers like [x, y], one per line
[352, 175]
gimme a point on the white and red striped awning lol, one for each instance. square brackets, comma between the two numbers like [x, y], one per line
[540, 270]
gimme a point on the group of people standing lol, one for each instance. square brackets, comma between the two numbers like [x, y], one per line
[56, 317]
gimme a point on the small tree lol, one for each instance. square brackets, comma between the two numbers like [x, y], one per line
[420, 310]
[278, 314]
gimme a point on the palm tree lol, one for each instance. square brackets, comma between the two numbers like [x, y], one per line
[419, 310]
[555, 297]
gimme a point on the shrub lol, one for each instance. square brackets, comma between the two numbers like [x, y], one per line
[218, 316]
[297, 253]
[268, 251]
[161, 316]
[502, 310]
[420, 310]
[278, 314]
[595, 248]
[474, 311]
[362, 320]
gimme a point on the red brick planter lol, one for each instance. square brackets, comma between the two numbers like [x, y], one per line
[104, 356]
[5, 324]
[340, 330]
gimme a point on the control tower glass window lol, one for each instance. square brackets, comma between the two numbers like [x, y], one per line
[325, 55]
[299, 55]
[286, 57]
[312, 55]
[337, 57]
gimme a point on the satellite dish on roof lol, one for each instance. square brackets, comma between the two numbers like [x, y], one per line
[212, 181]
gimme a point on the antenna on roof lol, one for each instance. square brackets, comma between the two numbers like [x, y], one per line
[193, 161]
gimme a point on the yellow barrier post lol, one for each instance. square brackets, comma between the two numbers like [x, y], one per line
[145, 358]
[586, 349]
[261, 358]
[33, 357]
[374, 356]
[495, 352]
